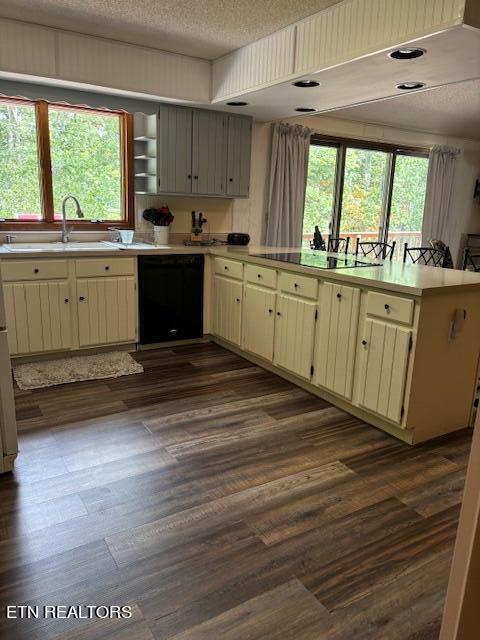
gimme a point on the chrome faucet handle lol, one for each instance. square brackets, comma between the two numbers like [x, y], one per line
[117, 236]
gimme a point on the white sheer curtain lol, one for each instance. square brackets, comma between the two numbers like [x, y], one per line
[288, 177]
[439, 221]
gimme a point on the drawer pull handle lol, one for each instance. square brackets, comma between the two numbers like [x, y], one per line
[237, 299]
[364, 342]
[82, 298]
[35, 271]
[339, 296]
[278, 313]
[189, 176]
[259, 275]
[107, 268]
[296, 285]
[226, 268]
[387, 307]
[270, 311]
[230, 179]
[66, 300]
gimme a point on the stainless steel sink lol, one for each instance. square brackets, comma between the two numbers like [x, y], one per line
[59, 246]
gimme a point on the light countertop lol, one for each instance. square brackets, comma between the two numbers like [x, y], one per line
[410, 279]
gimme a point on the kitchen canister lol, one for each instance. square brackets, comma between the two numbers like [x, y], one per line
[160, 234]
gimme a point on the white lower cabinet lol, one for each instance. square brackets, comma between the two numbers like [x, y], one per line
[106, 310]
[227, 315]
[294, 334]
[38, 316]
[259, 320]
[336, 338]
[383, 370]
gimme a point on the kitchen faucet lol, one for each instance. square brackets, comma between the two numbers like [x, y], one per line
[79, 212]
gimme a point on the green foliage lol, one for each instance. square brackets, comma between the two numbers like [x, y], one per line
[86, 161]
[364, 191]
[320, 188]
[85, 151]
[19, 178]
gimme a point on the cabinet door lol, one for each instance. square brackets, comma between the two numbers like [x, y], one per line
[336, 338]
[106, 310]
[174, 154]
[384, 368]
[38, 316]
[259, 321]
[238, 160]
[209, 152]
[227, 320]
[294, 334]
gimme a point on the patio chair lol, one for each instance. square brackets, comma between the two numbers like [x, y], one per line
[379, 250]
[338, 245]
[426, 255]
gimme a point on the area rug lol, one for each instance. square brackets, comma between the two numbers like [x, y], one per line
[48, 373]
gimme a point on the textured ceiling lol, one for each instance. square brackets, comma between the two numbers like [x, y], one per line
[204, 29]
[451, 110]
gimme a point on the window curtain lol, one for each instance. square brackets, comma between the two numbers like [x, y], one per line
[288, 178]
[439, 222]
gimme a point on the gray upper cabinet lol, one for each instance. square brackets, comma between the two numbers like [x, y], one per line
[209, 153]
[174, 156]
[202, 152]
[238, 156]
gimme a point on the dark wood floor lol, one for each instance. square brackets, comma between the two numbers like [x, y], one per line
[223, 503]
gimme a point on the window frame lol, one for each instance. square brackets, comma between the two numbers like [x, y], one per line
[342, 144]
[45, 171]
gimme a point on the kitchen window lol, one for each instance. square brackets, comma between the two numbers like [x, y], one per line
[365, 191]
[48, 151]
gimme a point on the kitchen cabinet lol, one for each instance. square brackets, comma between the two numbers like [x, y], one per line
[294, 334]
[384, 362]
[238, 156]
[59, 305]
[145, 152]
[227, 310]
[174, 151]
[197, 152]
[106, 310]
[259, 306]
[208, 153]
[38, 316]
[336, 338]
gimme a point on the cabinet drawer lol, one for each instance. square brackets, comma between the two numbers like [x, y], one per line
[229, 268]
[95, 267]
[17, 270]
[261, 275]
[390, 307]
[298, 285]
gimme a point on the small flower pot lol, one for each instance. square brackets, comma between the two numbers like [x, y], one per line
[160, 235]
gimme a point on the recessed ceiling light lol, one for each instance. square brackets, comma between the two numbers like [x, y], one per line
[304, 84]
[409, 86]
[407, 53]
[237, 104]
[305, 109]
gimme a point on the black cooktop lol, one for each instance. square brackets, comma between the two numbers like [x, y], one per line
[318, 259]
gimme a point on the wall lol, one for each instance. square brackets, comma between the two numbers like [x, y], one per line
[217, 211]
[465, 209]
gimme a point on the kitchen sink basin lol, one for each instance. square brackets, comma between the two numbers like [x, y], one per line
[59, 246]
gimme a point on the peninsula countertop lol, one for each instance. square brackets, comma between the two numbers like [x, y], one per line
[417, 280]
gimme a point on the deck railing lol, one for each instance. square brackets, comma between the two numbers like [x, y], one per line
[414, 239]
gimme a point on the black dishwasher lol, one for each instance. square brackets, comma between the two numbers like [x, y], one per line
[170, 297]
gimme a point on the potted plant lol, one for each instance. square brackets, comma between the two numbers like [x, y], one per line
[161, 219]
